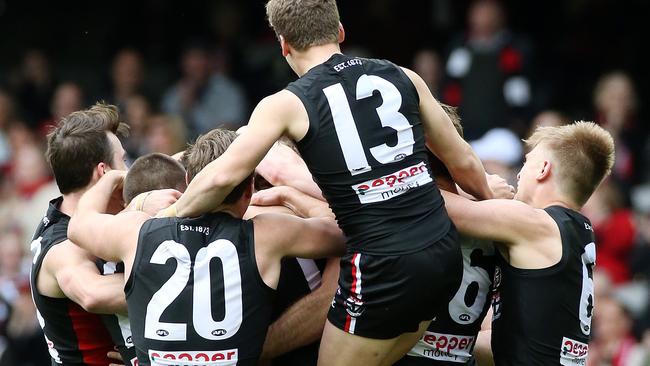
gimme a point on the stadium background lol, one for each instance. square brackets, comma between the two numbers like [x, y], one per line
[579, 59]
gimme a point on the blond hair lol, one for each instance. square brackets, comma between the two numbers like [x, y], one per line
[304, 23]
[584, 155]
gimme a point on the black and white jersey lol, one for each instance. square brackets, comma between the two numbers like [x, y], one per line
[365, 148]
[118, 325]
[74, 337]
[451, 336]
[195, 295]
[543, 316]
[298, 278]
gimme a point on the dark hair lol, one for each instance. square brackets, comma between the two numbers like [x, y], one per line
[209, 147]
[79, 142]
[151, 172]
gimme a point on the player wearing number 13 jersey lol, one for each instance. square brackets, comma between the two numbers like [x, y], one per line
[199, 290]
[361, 126]
[544, 297]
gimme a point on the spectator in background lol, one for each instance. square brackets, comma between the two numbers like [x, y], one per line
[612, 343]
[166, 134]
[614, 228]
[68, 97]
[205, 97]
[615, 101]
[427, 64]
[641, 254]
[33, 86]
[7, 118]
[127, 76]
[137, 113]
[488, 73]
[548, 118]
[501, 152]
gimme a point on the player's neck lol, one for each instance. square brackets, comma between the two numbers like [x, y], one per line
[70, 202]
[548, 198]
[305, 60]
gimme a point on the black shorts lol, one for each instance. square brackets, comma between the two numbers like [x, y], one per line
[382, 297]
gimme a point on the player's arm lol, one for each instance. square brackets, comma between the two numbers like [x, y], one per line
[79, 280]
[443, 140]
[110, 237]
[153, 201]
[290, 236]
[506, 221]
[271, 119]
[302, 323]
[302, 204]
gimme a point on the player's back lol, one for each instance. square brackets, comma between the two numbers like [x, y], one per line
[195, 293]
[543, 316]
[365, 147]
[74, 337]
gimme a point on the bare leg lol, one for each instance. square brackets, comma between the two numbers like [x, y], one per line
[342, 348]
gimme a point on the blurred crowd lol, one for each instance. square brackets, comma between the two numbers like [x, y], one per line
[487, 70]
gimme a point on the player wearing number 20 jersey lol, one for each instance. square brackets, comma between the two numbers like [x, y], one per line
[192, 283]
[551, 325]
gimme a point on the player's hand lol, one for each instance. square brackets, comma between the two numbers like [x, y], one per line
[114, 355]
[153, 202]
[274, 196]
[500, 187]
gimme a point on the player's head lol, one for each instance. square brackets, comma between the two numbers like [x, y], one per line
[151, 172]
[574, 159]
[209, 147]
[85, 145]
[301, 24]
[438, 169]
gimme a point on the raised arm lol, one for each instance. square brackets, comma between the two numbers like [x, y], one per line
[443, 140]
[272, 118]
[300, 203]
[505, 221]
[110, 237]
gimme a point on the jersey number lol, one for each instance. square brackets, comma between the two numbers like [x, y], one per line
[389, 115]
[202, 320]
[468, 303]
[587, 295]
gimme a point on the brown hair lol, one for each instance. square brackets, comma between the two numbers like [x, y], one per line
[209, 147]
[438, 169]
[79, 142]
[304, 23]
[153, 171]
[584, 153]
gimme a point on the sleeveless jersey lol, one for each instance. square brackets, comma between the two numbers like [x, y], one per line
[365, 148]
[195, 295]
[118, 325]
[74, 337]
[543, 316]
[451, 336]
[298, 278]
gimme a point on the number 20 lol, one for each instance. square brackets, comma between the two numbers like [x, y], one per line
[202, 320]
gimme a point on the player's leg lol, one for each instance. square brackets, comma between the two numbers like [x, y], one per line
[341, 348]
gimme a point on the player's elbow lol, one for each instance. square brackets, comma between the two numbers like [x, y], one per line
[91, 303]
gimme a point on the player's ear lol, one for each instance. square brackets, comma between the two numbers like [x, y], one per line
[341, 33]
[545, 171]
[99, 171]
[284, 46]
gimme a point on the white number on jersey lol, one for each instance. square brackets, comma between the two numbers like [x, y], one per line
[202, 320]
[389, 115]
[587, 295]
[467, 305]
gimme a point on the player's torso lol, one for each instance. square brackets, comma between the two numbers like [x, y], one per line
[73, 336]
[195, 293]
[365, 148]
[543, 317]
[298, 278]
[118, 325]
[451, 336]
